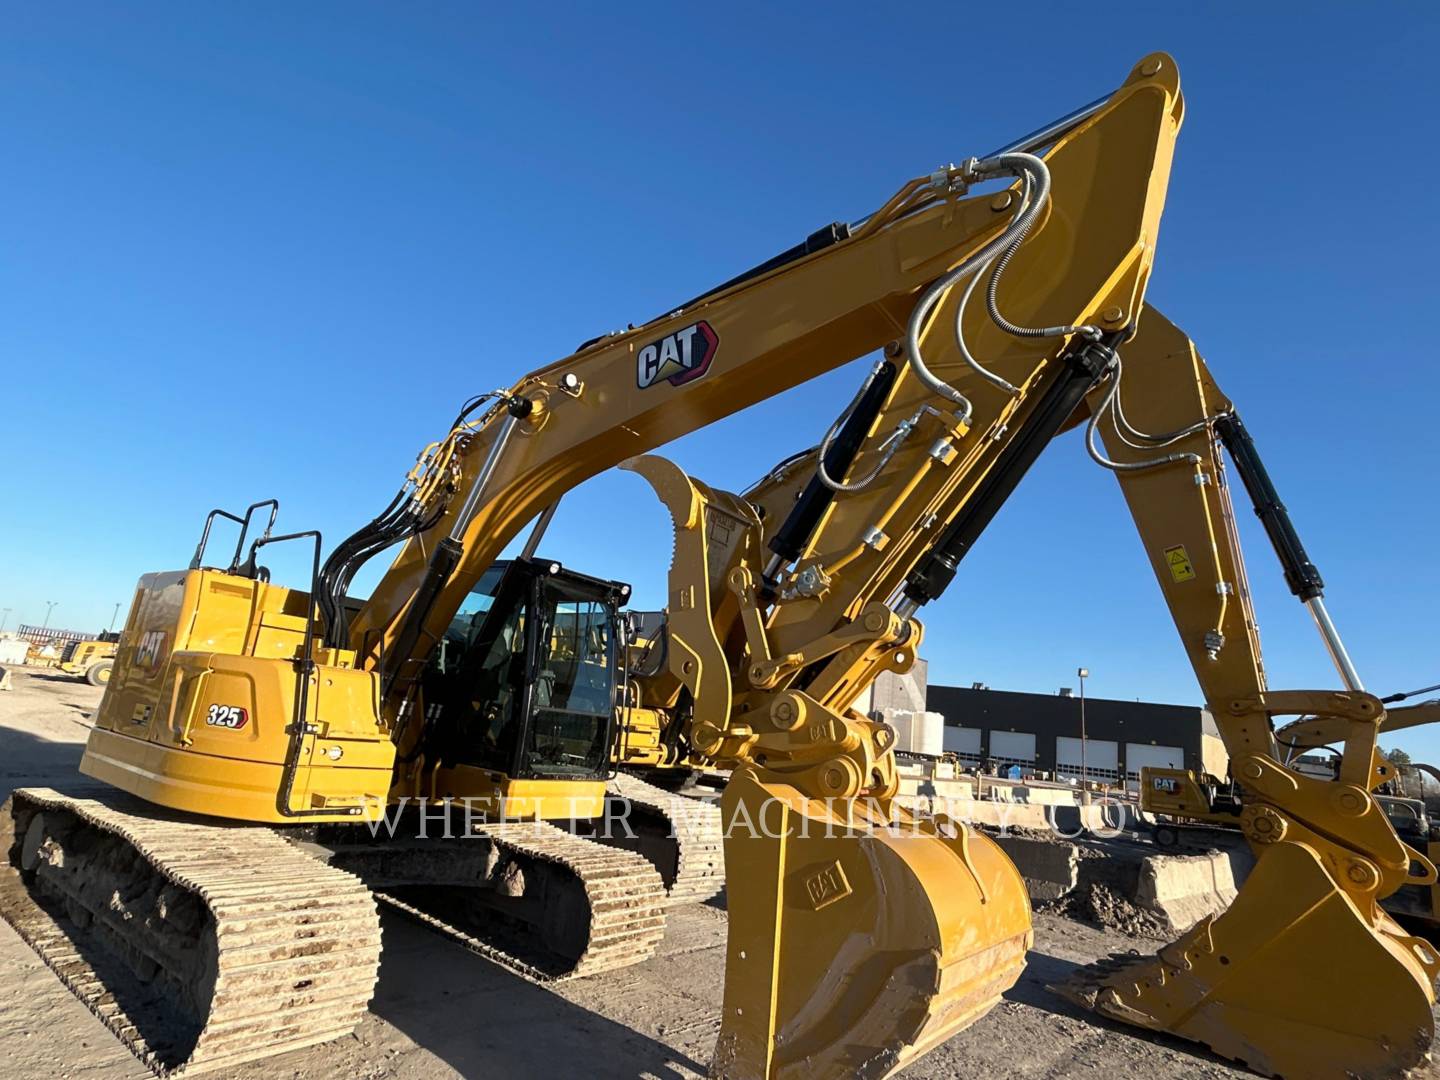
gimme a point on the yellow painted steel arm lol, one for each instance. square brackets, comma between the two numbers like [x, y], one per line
[1305, 974]
[1409, 716]
[1090, 257]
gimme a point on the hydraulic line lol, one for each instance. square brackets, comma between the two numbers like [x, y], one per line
[1108, 404]
[836, 456]
[1123, 428]
[1082, 366]
[402, 518]
[887, 448]
[1034, 176]
[448, 552]
[964, 349]
[1035, 180]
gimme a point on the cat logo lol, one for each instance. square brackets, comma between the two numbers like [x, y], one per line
[677, 358]
[151, 652]
[1166, 785]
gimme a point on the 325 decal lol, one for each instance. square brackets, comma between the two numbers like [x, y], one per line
[233, 717]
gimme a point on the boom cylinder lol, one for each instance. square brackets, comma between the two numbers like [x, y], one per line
[1085, 364]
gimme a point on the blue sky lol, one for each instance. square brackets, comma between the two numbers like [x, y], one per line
[265, 249]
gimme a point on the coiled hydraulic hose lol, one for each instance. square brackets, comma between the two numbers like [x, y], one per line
[1039, 174]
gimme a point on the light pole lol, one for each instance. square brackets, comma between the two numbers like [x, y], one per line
[1084, 766]
[113, 616]
[5, 616]
[49, 607]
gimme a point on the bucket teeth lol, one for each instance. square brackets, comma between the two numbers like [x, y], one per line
[1293, 980]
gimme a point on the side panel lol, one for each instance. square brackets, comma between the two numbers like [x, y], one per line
[198, 714]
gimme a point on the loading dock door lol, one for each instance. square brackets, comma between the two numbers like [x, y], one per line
[964, 742]
[1140, 755]
[1101, 760]
[1017, 747]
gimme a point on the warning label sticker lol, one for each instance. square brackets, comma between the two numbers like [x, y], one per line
[1178, 559]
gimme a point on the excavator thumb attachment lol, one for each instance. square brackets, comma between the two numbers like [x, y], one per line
[856, 943]
[1294, 979]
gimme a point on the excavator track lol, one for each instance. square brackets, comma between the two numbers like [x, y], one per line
[199, 945]
[682, 836]
[623, 904]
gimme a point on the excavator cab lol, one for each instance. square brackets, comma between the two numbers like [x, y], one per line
[521, 692]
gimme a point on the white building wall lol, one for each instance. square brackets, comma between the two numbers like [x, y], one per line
[964, 741]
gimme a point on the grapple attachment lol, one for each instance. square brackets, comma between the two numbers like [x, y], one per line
[1296, 979]
[857, 943]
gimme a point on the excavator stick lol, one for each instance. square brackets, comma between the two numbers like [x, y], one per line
[1304, 975]
[1293, 980]
[857, 943]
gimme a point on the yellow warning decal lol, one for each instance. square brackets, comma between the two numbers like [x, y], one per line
[1178, 559]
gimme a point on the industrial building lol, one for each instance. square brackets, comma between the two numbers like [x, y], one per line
[1041, 733]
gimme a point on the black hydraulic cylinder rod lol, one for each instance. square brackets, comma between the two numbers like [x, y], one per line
[819, 240]
[443, 561]
[1300, 573]
[799, 526]
[1083, 365]
[816, 241]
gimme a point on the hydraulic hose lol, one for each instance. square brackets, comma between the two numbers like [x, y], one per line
[1082, 365]
[837, 454]
[1107, 404]
[1035, 191]
[1123, 428]
[1036, 168]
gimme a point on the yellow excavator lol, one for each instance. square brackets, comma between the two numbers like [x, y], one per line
[276, 758]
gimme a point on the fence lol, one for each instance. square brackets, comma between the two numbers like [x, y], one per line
[1072, 770]
[41, 635]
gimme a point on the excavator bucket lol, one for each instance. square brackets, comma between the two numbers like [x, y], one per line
[857, 943]
[1294, 980]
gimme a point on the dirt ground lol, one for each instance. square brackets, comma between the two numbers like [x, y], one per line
[440, 1011]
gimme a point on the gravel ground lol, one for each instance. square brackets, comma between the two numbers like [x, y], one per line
[440, 1011]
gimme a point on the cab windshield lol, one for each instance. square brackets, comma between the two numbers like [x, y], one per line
[573, 688]
[524, 680]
